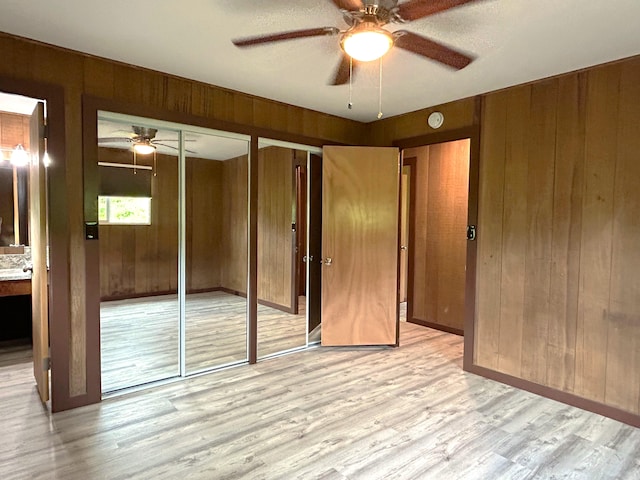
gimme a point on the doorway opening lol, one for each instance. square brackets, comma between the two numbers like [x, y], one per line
[24, 237]
[405, 205]
[438, 196]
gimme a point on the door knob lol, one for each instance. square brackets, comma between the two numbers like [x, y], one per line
[328, 261]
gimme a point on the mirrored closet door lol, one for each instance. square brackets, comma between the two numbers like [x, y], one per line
[282, 323]
[138, 230]
[173, 250]
[216, 251]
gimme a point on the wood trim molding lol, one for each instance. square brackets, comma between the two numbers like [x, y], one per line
[564, 397]
[412, 163]
[252, 285]
[191, 291]
[440, 137]
[282, 308]
[294, 236]
[398, 248]
[435, 326]
[472, 247]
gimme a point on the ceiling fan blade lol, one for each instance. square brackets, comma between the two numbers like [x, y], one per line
[114, 139]
[172, 147]
[416, 9]
[431, 49]
[342, 72]
[171, 140]
[349, 5]
[276, 37]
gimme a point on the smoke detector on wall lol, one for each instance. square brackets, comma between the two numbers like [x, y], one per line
[435, 120]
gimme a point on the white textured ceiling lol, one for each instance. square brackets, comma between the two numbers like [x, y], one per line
[202, 143]
[515, 41]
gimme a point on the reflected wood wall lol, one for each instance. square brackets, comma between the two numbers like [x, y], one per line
[205, 228]
[276, 207]
[559, 223]
[140, 260]
[439, 246]
[14, 130]
[234, 213]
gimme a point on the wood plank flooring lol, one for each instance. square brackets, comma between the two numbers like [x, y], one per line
[140, 337]
[324, 413]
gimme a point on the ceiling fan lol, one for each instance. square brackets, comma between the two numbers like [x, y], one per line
[143, 140]
[367, 40]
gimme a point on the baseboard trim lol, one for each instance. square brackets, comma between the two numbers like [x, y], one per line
[129, 296]
[230, 291]
[558, 395]
[436, 326]
[282, 308]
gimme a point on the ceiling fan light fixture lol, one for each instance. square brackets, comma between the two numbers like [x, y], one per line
[367, 42]
[144, 147]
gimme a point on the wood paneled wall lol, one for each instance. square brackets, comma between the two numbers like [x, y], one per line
[459, 114]
[439, 247]
[569, 317]
[276, 206]
[559, 223]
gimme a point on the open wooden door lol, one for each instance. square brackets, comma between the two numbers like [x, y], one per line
[38, 242]
[360, 246]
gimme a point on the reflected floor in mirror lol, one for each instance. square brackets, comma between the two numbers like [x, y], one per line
[330, 413]
[279, 331]
[139, 337]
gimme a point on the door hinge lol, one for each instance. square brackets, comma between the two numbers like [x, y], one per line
[471, 232]
[46, 364]
[45, 131]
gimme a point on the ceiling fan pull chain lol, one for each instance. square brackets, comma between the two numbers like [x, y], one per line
[155, 164]
[350, 105]
[380, 93]
[135, 171]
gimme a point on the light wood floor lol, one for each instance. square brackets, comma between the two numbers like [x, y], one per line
[326, 413]
[140, 337]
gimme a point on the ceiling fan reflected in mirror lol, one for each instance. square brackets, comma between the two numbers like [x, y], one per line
[366, 39]
[143, 140]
